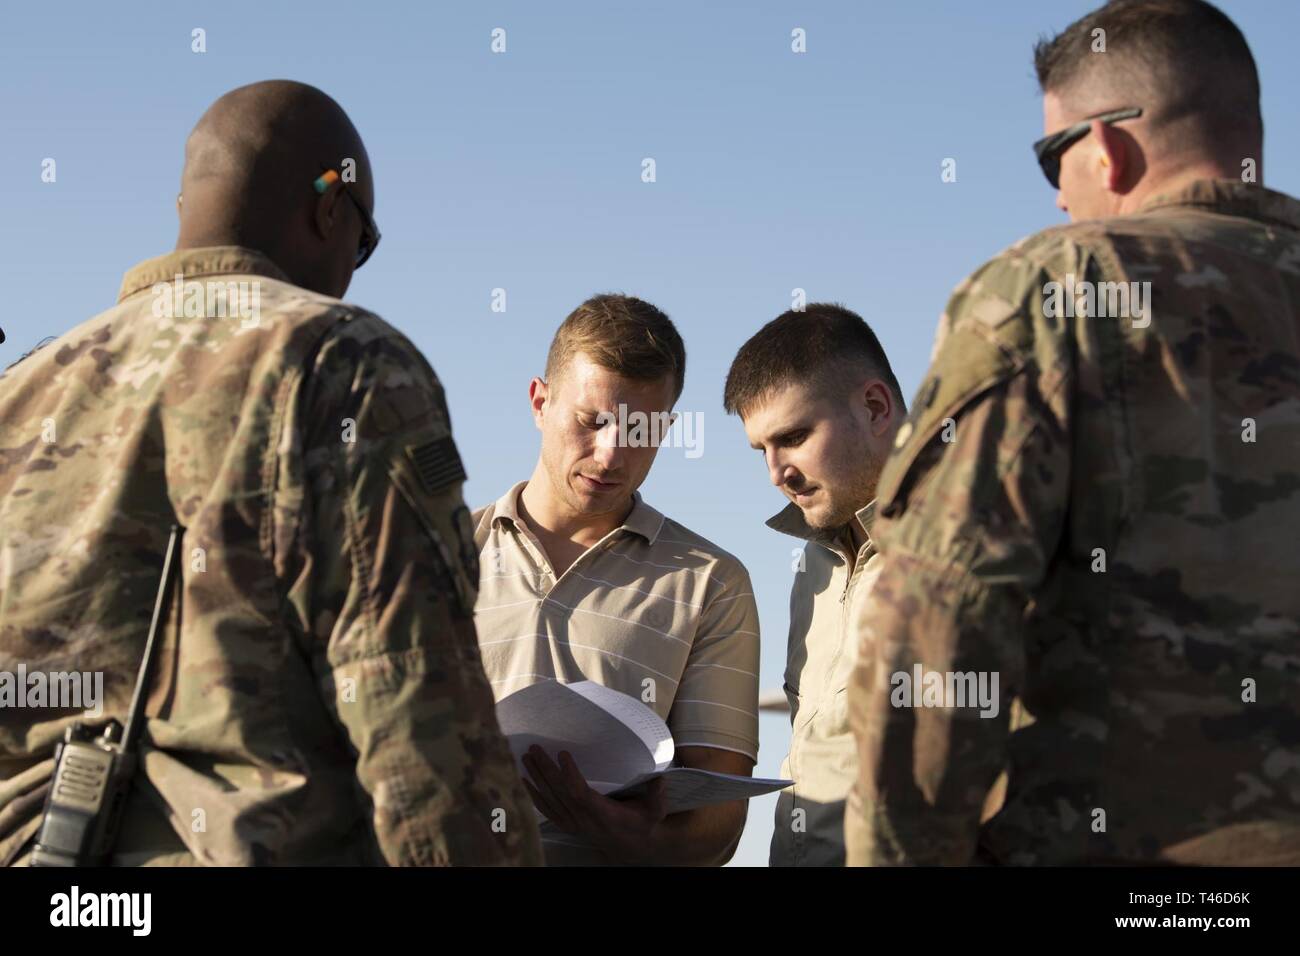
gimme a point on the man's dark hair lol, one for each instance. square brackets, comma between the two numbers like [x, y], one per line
[825, 344]
[1182, 61]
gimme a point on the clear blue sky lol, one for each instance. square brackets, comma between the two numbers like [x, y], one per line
[522, 171]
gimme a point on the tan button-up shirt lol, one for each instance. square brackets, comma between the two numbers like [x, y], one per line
[652, 610]
[823, 759]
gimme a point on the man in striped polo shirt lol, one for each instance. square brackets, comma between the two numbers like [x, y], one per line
[582, 580]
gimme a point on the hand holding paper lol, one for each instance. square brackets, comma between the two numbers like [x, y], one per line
[562, 794]
[616, 743]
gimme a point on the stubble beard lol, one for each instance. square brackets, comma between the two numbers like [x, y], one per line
[847, 499]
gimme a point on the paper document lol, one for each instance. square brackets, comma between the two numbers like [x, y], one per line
[618, 743]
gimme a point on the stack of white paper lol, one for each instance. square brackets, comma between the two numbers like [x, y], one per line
[618, 742]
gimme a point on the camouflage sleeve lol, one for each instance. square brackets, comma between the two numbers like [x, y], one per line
[386, 603]
[969, 509]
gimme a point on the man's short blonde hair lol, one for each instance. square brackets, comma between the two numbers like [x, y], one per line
[623, 334]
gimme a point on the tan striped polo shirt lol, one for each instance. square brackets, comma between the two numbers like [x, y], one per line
[652, 610]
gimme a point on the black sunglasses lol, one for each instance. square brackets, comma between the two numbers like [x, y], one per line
[1050, 148]
[370, 231]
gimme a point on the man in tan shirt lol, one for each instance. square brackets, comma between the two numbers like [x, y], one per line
[819, 400]
[580, 579]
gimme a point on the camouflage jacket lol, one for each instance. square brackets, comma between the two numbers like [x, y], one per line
[319, 696]
[1096, 500]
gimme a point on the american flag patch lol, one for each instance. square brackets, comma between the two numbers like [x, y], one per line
[437, 463]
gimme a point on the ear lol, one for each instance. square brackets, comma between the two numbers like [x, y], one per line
[1115, 158]
[325, 215]
[538, 392]
[880, 406]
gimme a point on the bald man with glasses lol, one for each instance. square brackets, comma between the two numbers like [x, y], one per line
[318, 697]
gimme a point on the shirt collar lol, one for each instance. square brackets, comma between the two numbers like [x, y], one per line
[1231, 197]
[790, 520]
[642, 519]
[192, 263]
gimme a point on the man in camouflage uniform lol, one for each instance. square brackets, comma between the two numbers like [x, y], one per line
[319, 695]
[1095, 498]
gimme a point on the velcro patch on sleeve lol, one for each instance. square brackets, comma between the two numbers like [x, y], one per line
[437, 463]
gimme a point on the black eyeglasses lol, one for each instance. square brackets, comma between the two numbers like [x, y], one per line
[370, 231]
[1050, 148]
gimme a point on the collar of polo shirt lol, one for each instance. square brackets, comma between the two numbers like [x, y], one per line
[642, 519]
